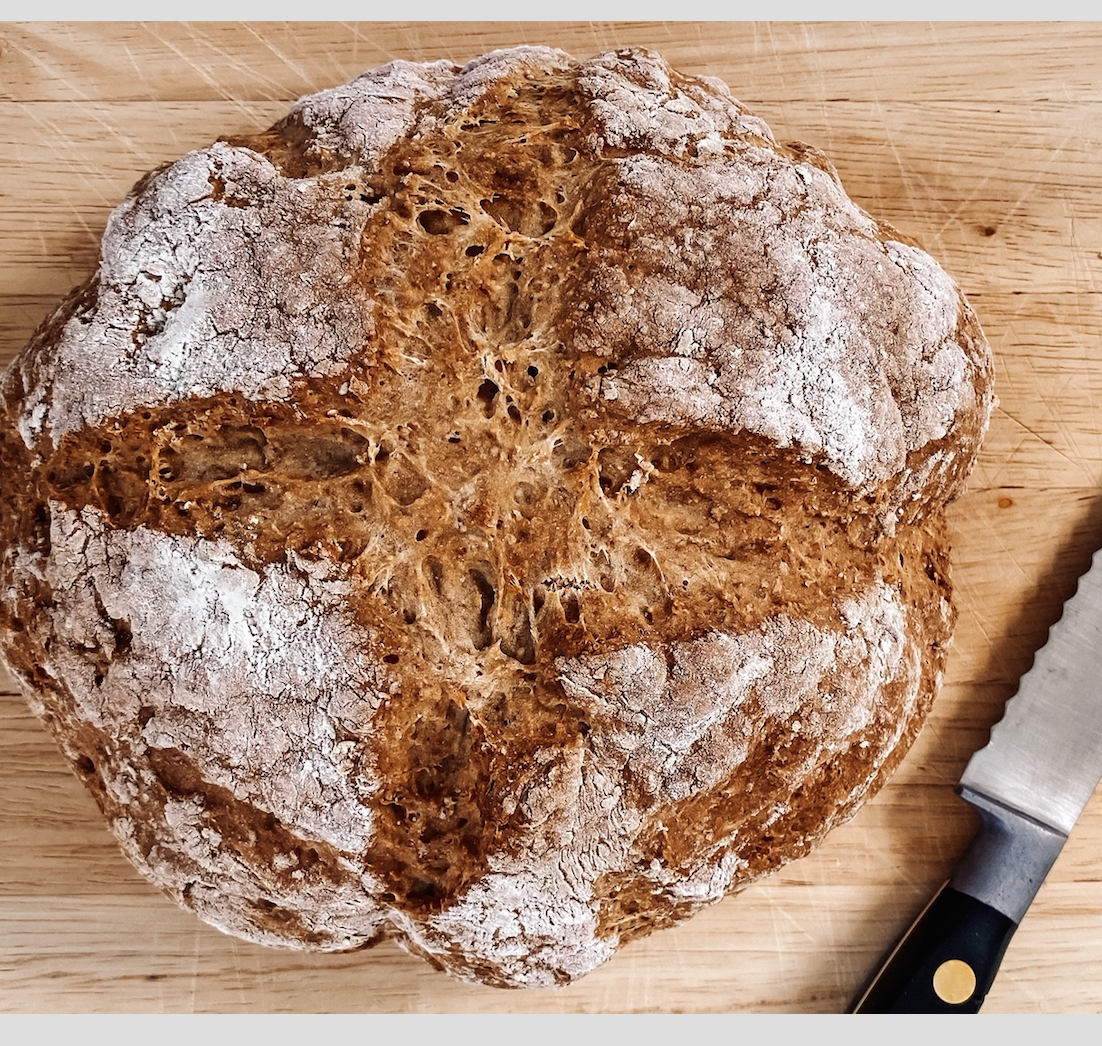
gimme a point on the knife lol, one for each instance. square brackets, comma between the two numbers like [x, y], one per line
[1029, 784]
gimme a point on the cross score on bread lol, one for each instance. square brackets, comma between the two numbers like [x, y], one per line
[498, 508]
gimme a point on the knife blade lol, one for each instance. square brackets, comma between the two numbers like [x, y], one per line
[1029, 784]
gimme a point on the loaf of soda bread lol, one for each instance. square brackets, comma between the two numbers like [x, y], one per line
[499, 509]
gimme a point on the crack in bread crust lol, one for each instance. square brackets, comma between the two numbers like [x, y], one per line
[541, 538]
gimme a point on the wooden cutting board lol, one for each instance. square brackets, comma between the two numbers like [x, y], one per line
[982, 141]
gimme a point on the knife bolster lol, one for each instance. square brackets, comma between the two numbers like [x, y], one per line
[1008, 859]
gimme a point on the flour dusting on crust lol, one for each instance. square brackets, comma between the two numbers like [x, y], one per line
[772, 306]
[198, 294]
[251, 676]
[684, 729]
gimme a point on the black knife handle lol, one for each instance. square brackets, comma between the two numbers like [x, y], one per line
[946, 962]
[949, 957]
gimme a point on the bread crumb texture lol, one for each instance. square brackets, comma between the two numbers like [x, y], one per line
[499, 508]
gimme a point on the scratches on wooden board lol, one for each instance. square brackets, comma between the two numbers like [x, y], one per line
[981, 140]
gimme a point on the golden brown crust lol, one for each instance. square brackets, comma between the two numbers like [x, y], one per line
[498, 508]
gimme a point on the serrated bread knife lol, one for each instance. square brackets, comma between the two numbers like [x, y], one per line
[1029, 784]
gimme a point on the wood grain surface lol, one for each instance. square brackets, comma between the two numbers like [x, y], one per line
[982, 141]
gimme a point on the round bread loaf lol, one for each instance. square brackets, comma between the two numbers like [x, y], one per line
[499, 508]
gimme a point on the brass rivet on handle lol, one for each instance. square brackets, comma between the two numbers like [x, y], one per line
[954, 981]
